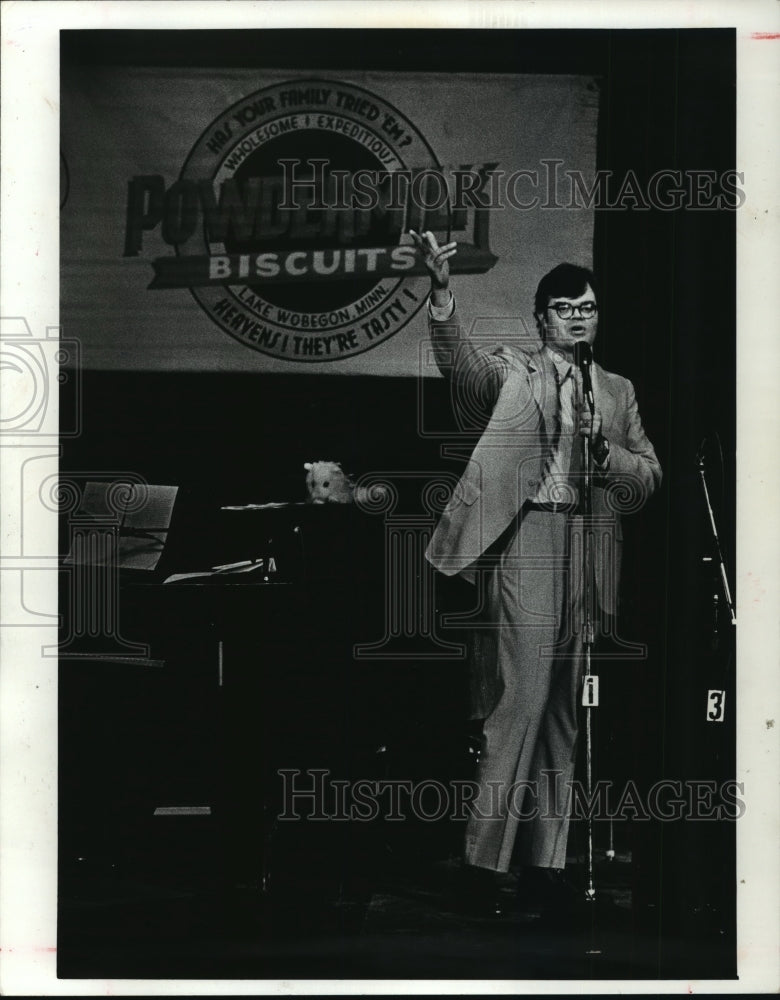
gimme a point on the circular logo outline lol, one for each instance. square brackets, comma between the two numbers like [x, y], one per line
[203, 162]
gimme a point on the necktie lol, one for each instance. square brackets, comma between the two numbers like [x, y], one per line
[565, 449]
[561, 478]
[575, 454]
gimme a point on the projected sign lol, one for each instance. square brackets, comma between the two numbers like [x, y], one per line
[288, 220]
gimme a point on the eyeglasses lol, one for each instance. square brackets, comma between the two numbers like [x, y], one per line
[565, 310]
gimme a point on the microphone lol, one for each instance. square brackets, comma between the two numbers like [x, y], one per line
[583, 358]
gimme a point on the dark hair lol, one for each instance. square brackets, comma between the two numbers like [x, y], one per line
[566, 280]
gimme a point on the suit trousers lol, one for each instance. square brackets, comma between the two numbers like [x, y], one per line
[533, 583]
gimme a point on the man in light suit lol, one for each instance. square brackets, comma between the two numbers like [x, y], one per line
[514, 527]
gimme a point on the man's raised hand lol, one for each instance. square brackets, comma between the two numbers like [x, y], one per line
[435, 258]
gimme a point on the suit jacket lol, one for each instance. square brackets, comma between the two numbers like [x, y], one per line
[513, 388]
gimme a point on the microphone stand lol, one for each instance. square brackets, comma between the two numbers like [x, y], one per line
[589, 683]
[716, 540]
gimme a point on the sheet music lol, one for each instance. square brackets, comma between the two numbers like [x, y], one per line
[142, 514]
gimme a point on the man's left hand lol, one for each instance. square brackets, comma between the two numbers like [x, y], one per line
[590, 425]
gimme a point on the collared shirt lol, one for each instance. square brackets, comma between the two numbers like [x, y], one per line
[441, 313]
[556, 485]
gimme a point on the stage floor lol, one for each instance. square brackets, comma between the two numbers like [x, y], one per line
[406, 920]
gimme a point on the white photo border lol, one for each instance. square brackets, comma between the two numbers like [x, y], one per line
[29, 288]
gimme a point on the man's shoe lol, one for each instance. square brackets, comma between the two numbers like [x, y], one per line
[480, 892]
[547, 891]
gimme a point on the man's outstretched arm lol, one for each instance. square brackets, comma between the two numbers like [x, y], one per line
[479, 374]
